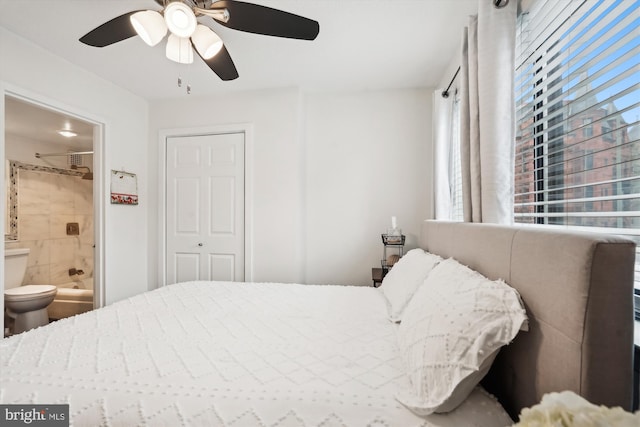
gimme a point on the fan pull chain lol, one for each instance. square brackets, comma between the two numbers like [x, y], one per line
[179, 71]
[188, 85]
[180, 78]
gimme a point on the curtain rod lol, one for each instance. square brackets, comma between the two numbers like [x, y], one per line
[445, 94]
[498, 4]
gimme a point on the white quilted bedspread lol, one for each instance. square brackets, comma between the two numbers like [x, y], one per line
[226, 354]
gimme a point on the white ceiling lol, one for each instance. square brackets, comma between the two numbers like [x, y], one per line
[36, 123]
[362, 45]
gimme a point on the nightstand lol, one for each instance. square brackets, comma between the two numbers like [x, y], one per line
[394, 242]
[376, 276]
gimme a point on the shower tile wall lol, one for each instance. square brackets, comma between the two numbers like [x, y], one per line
[46, 203]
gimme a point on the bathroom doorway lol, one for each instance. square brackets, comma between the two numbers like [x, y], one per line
[51, 188]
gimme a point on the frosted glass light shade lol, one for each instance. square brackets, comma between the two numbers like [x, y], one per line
[179, 49]
[207, 42]
[180, 19]
[149, 25]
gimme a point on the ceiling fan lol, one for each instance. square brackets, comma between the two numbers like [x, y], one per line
[180, 19]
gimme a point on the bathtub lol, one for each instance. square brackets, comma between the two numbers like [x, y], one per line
[72, 298]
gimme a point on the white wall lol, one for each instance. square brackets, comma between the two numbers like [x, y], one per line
[34, 72]
[277, 251]
[329, 172]
[367, 160]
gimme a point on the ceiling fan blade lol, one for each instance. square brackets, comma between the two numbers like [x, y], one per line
[221, 64]
[253, 18]
[110, 32]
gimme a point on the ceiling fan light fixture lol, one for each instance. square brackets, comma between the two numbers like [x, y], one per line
[180, 19]
[149, 25]
[206, 41]
[179, 49]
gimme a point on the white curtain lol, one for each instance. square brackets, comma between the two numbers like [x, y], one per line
[487, 114]
[442, 108]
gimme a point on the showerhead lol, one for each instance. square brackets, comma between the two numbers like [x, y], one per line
[74, 160]
[88, 175]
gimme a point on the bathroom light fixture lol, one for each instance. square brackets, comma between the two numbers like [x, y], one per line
[67, 133]
[149, 25]
[206, 41]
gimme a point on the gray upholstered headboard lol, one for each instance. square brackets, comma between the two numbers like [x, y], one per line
[578, 292]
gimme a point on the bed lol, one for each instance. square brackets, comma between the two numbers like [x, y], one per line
[265, 354]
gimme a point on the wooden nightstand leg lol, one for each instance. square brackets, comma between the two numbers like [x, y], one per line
[376, 276]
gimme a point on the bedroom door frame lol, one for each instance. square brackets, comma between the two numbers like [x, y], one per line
[99, 206]
[164, 134]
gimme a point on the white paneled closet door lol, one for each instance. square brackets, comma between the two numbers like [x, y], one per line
[205, 207]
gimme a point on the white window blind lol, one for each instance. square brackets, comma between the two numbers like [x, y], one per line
[577, 155]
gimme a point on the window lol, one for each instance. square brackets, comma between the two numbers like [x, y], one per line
[588, 160]
[455, 180]
[578, 117]
[587, 129]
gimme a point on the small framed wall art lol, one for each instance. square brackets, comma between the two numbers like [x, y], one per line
[124, 188]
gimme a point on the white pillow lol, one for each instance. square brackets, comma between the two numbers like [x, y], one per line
[404, 278]
[450, 333]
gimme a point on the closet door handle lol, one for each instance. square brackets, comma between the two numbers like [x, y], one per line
[200, 244]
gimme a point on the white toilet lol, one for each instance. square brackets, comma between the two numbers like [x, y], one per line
[27, 304]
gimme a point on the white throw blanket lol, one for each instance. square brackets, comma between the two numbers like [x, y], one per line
[226, 354]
